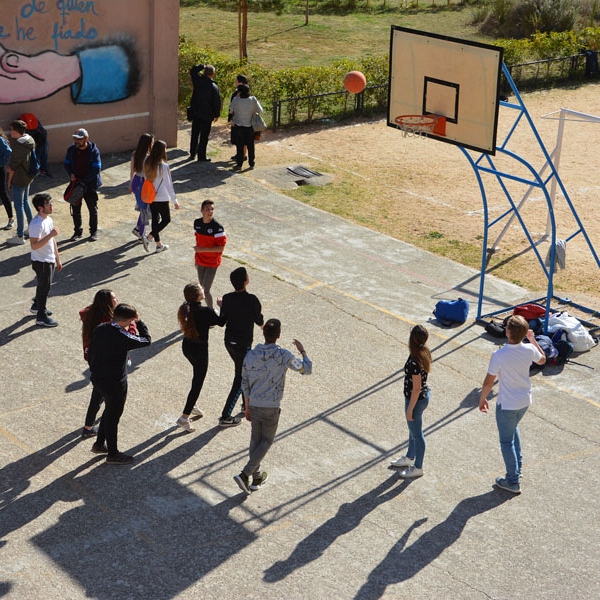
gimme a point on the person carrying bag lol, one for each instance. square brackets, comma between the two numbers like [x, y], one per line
[243, 109]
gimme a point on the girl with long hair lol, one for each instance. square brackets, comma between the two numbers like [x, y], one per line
[416, 400]
[5, 152]
[99, 311]
[194, 321]
[157, 171]
[138, 157]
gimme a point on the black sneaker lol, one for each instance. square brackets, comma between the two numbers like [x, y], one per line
[94, 237]
[229, 421]
[33, 310]
[119, 459]
[88, 433]
[99, 448]
[258, 480]
[46, 322]
[242, 481]
[77, 236]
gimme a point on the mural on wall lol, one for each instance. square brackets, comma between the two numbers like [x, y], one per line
[98, 70]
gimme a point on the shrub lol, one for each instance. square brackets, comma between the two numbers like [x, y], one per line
[522, 18]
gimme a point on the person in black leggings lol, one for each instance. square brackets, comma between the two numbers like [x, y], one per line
[195, 320]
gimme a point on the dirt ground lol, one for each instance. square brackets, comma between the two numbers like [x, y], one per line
[425, 192]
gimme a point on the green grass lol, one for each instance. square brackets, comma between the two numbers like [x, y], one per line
[284, 41]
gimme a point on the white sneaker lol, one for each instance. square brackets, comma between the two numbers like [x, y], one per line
[162, 248]
[411, 473]
[403, 461]
[10, 224]
[146, 242]
[15, 241]
[197, 412]
[184, 424]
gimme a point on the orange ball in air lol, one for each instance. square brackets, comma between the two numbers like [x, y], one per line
[355, 82]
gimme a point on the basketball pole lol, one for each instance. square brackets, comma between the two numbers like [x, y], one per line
[484, 166]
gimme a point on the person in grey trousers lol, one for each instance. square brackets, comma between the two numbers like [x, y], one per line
[263, 381]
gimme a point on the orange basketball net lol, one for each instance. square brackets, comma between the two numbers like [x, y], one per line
[421, 125]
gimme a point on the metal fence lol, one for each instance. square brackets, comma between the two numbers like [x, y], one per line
[550, 71]
[336, 106]
[333, 106]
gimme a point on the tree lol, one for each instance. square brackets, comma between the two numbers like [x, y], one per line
[243, 29]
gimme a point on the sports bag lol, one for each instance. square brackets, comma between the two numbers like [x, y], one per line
[148, 193]
[74, 192]
[451, 312]
[529, 311]
[496, 330]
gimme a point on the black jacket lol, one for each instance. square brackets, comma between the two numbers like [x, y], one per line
[241, 310]
[108, 352]
[206, 98]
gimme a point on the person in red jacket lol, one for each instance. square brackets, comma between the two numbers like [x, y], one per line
[210, 243]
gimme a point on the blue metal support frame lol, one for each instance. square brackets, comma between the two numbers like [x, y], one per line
[484, 165]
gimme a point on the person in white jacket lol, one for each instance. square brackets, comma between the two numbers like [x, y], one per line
[157, 170]
[242, 108]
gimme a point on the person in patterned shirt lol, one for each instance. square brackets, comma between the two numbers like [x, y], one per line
[263, 381]
[416, 399]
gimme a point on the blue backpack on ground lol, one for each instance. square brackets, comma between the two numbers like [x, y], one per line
[34, 164]
[451, 312]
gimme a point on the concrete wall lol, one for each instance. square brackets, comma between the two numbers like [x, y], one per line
[107, 65]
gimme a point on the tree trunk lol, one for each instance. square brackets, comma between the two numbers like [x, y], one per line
[243, 28]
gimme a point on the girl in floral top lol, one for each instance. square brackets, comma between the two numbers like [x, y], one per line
[416, 399]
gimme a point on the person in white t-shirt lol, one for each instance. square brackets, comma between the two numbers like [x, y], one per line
[45, 258]
[510, 364]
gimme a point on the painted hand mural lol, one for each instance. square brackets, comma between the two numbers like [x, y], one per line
[100, 72]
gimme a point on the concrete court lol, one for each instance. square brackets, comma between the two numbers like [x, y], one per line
[333, 521]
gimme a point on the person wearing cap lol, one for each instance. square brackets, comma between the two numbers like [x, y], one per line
[83, 163]
[239, 311]
[206, 108]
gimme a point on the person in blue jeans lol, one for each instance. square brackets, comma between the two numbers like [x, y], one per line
[510, 364]
[416, 400]
[19, 178]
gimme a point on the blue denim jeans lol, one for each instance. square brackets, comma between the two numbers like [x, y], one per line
[416, 439]
[510, 441]
[21, 201]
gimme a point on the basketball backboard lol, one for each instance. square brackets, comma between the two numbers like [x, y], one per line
[454, 78]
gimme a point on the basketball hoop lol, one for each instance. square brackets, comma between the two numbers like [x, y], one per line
[421, 125]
